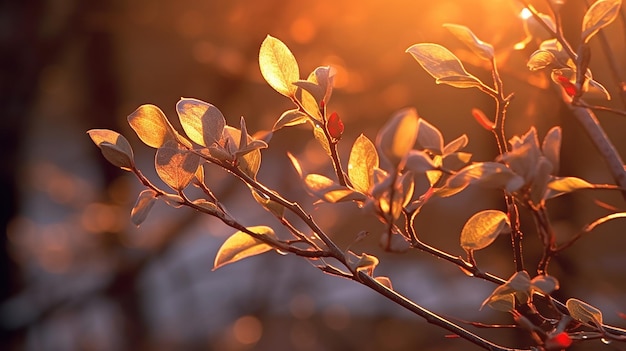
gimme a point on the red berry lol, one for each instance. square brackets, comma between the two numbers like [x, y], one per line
[334, 125]
[568, 86]
[559, 341]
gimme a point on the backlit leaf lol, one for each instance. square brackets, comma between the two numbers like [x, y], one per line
[203, 122]
[363, 262]
[584, 312]
[290, 118]
[568, 184]
[456, 145]
[492, 175]
[151, 125]
[278, 66]
[598, 16]
[176, 166]
[308, 102]
[320, 136]
[419, 162]
[142, 206]
[442, 65]
[456, 160]
[363, 159]
[114, 147]
[503, 297]
[594, 89]
[429, 137]
[326, 189]
[241, 245]
[398, 135]
[551, 147]
[248, 162]
[479, 47]
[273, 207]
[384, 281]
[543, 169]
[540, 59]
[545, 284]
[483, 228]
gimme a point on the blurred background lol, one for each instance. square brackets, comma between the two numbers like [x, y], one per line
[77, 275]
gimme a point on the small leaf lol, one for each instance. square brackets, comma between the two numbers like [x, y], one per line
[595, 89]
[249, 161]
[429, 137]
[290, 118]
[504, 303]
[151, 126]
[483, 228]
[460, 81]
[551, 147]
[176, 166]
[419, 162]
[320, 136]
[209, 207]
[278, 66]
[545, 284]
[503, 297]
[540, 181]
[479, 47]
[273, 207]
[363, 262]
[363, 159]
[456, 160]
[442, 65]
[569, 184]
[456, 145]
[114, 147]
[309, 104]
[326, 189]
[540, 59]
[598, 16]
[384, 281]
[584, 313]
[398, 135]
[142, 207]
[203, 122]
[492, 175]
[242, 245]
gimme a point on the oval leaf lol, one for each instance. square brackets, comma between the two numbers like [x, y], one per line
[397, 136]
[290, 118]
[203, 122]
[175, 166]
[551, 147]
[429, 137]
[419, 162]
[241, 245]
[142, 207]
[363, 159]
[465, 35]
[483, 228]
[327, 190]
[278, 66]
[599, 15]
[114, 147]
[584, 312]
[540, 59]
[151, 125]
[442, 65]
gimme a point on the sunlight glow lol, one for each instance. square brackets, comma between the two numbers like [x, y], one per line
[525, 13]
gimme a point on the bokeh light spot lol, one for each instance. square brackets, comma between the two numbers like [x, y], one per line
[303, 30]
[247, 330]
